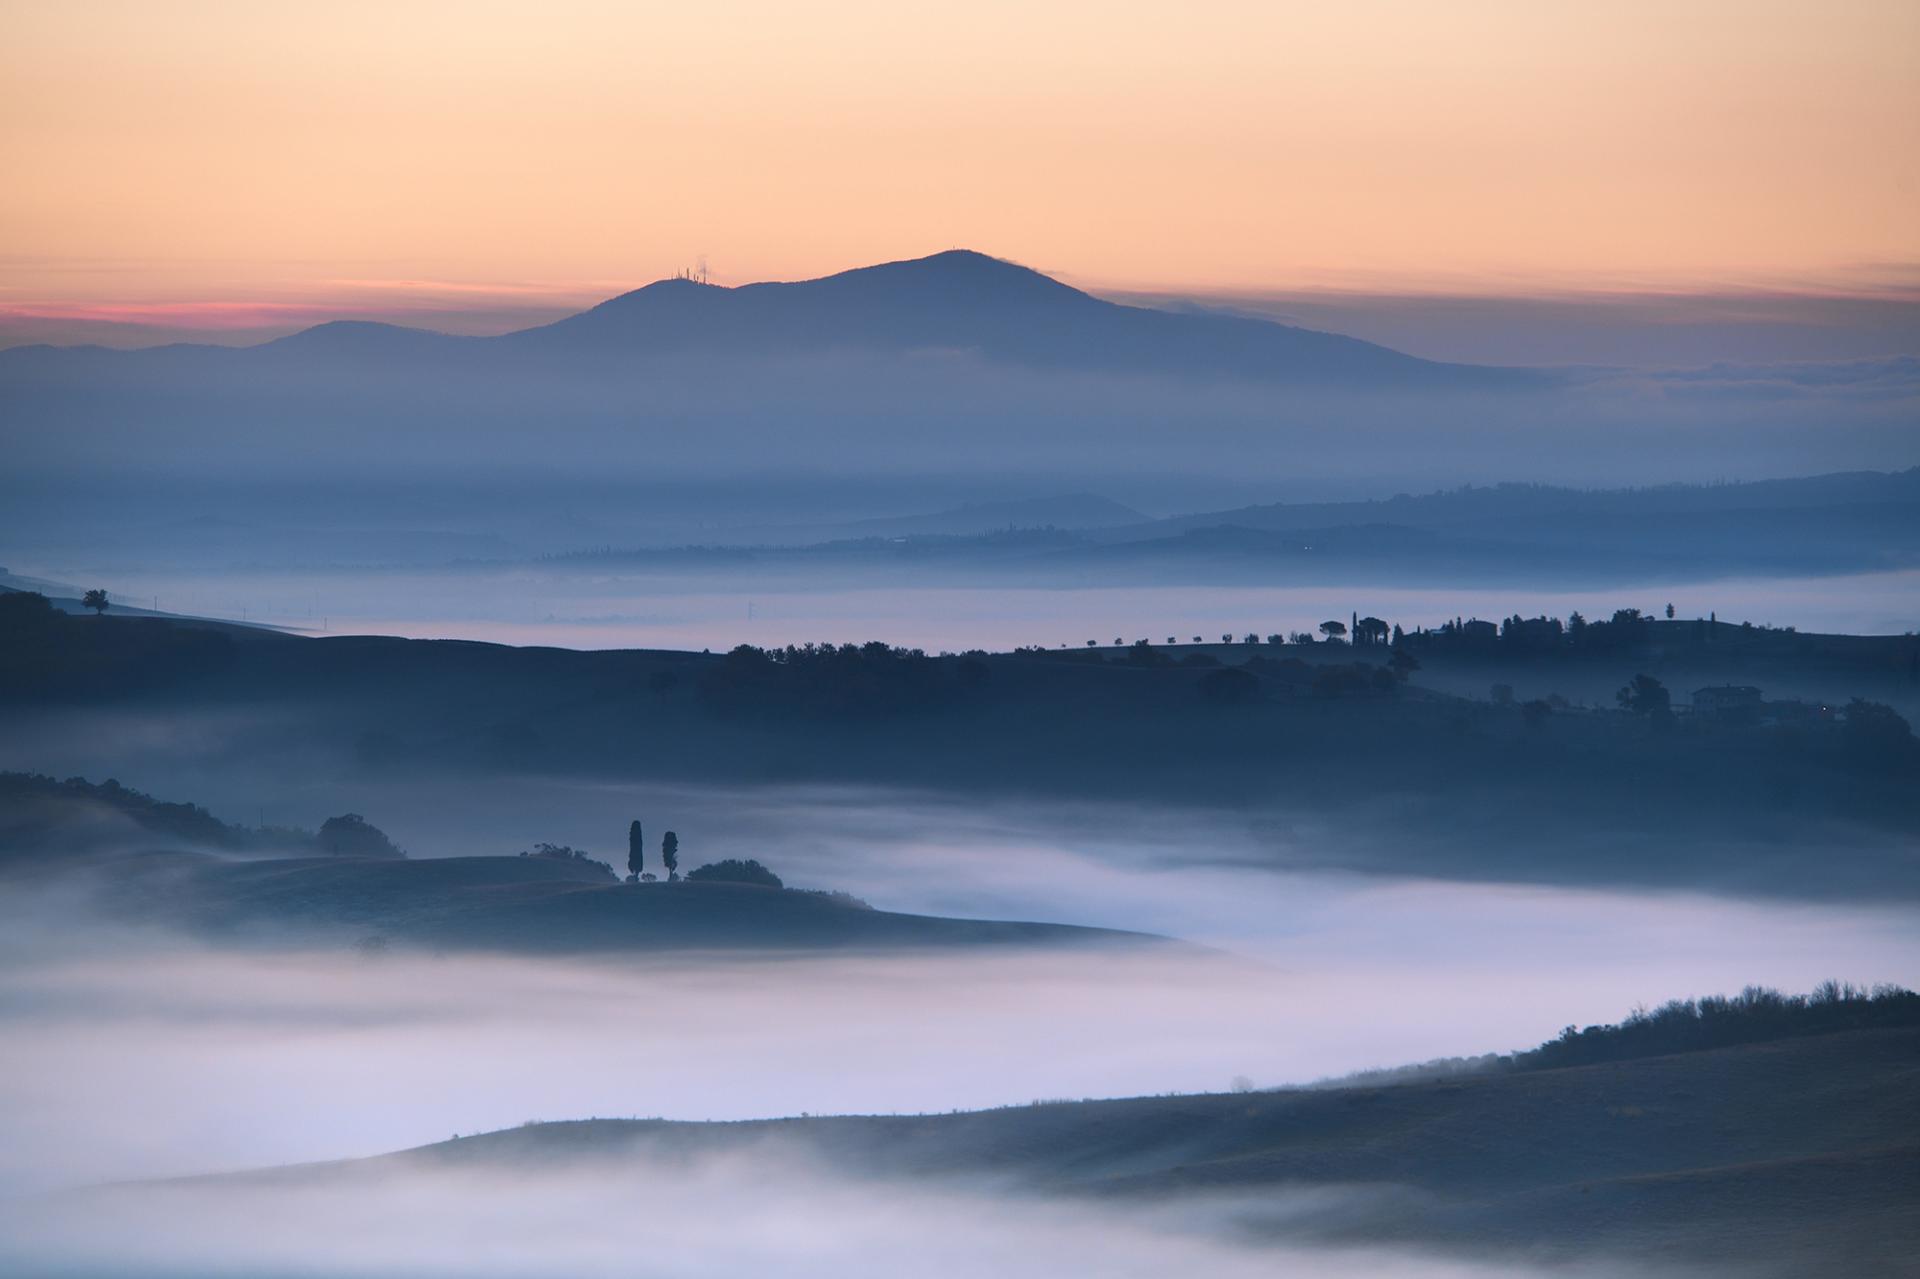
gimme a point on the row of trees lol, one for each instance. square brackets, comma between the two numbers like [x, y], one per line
[637, 855]
[1365, 632]
[727, 871]
[1626, 626]
[1757, 1014]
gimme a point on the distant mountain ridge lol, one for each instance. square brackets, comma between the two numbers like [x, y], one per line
[1472, 506]
[1859, 521]
[965, 301]
[955, 301]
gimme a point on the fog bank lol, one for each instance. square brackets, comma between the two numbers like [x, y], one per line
[722, 1217]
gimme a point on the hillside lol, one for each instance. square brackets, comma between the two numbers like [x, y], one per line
[1799, 1157]
[1851, 522]
[525, 905]
[43, 820]
[1506, 534]
[147, 861]
[1318, 737]
[1546, 505]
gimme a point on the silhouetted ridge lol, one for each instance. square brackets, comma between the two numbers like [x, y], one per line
[368, 337]
[960, 300]
[957, 275]
[957, 301]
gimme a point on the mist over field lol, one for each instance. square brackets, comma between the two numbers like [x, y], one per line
[242, 1058]
[767, 1209]
[265, 1051]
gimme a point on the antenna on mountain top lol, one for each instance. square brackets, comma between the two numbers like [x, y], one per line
[697, 273]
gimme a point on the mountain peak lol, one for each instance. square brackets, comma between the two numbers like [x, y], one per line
[961, 300]
[953, 273]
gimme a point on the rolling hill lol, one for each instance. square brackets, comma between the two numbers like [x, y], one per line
[145, 861]
[1318, 732]
[1795, 1157]
[528, 905]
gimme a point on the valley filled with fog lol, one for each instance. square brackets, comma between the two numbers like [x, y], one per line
[1008, 884]
[249, 1057]
[851, 641]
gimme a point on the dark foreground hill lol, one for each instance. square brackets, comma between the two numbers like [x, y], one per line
[1524, 785]
[1798, 1157]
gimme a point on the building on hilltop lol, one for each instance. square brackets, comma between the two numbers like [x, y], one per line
[1478, 632]
[1727, 702]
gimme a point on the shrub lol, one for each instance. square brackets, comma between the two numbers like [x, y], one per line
[351, 835]
[1229, 686]
[734, 871]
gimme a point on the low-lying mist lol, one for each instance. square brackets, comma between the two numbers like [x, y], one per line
[762, 1212]
[132, 1053]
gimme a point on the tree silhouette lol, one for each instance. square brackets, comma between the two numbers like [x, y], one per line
[636, 849]
[733, 871]
[1229, 686]
[1669, 612]
[351, 835]
[1646, 696]
[670, 855]
[1877, 732]
[95, 600]
[1333, 630]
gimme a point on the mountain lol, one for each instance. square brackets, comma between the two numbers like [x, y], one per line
[966, 301]
[957, 301]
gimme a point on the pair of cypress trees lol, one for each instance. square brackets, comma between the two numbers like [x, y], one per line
[636, 852]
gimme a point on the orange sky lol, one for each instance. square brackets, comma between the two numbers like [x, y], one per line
[398, 156]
